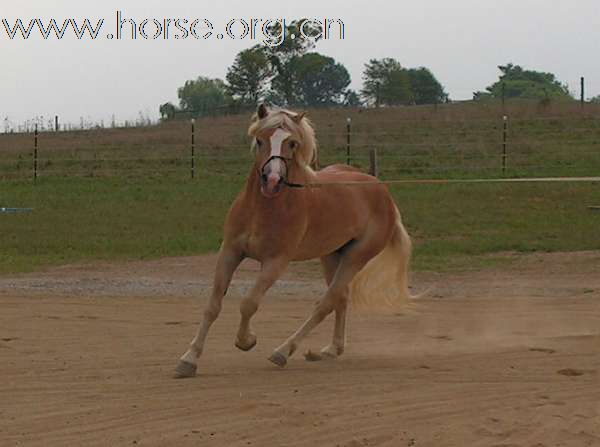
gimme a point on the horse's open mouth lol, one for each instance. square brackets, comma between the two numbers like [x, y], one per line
[271, 191]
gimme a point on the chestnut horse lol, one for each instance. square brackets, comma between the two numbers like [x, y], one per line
[356, 231]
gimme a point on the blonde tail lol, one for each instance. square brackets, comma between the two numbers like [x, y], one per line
[383, 282]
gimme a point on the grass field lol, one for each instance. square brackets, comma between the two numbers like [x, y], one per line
[125, 193]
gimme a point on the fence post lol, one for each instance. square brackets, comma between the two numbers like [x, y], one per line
[504, 143]
[582, 92]
[193, 161]
[348, 129]
[503, 97]
[35, 154]
[374, 164]
[56, 128]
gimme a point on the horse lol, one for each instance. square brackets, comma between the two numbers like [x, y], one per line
[282, 216]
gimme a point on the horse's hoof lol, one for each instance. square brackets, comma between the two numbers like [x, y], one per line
[278, 358]
[185, 369]
[245, 347]
[327, 353]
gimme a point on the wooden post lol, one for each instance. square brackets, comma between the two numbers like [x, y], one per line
[582, 92]
[348, 128]
[374, 164]
[503, 97]
[504, 143]
[193, 161]
[35, 153]
[56, 128]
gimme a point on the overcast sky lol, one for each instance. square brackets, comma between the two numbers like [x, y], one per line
[461, 41]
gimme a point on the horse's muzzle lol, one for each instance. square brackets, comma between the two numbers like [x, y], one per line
[271, 185]
[272, 178]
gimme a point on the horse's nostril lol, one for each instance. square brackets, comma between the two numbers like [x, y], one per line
[264, 178]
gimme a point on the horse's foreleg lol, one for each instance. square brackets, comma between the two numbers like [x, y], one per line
[227, 262]
[270, 272]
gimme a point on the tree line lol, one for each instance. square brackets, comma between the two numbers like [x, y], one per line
[293, 74]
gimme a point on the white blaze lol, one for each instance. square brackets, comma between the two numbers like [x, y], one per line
[277, 140]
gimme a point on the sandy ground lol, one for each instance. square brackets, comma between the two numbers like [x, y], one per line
[508, 356]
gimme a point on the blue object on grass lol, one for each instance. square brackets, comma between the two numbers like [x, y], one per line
[15, 210]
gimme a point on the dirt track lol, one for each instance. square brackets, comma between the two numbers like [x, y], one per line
[502, 357]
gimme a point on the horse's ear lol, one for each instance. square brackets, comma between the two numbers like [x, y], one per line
[299, 117]
[262, 111]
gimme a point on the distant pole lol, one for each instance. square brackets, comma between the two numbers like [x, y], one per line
[348, 128]
[377, 95]
[503, 97]
[193, 161]
[504, 143]
[56, 128]
[35, 153]
[582, 92]
[374, 165]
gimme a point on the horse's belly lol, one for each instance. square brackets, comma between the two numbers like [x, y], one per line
[320, 242]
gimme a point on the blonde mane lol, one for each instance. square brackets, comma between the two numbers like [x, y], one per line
[306, 154]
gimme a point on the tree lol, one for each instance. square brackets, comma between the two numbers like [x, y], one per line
[351, 99]
[204, 96]
[281, 57]
[386, 82]
[595, 100]
[248, 77]
[527, 84]
[425, 87]
[167, 111]
[318, 80]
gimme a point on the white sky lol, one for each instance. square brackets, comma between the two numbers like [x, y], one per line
[461, 41]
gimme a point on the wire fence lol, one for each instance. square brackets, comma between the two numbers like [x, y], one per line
[543, 146]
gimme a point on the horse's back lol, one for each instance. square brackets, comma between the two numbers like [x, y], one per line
[340, 173]
[351, 198]
[338, 168]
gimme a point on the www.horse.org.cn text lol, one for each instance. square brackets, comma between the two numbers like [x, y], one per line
[271, 32]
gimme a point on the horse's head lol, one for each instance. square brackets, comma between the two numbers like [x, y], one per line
[284, 143]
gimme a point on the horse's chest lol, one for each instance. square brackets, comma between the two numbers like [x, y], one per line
[271, 238]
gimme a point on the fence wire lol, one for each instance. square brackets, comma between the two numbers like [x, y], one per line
[543, 146]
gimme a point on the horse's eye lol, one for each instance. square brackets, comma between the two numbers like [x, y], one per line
[258, 142]
[293, 145]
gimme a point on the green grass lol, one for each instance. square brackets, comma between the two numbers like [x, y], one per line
[454, 226]
[81, 219]
[471, 221]
[126, 194]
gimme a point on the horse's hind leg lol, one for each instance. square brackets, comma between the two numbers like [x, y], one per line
[354, 258]
[227, 262]
[271, 271]
[336, 348]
